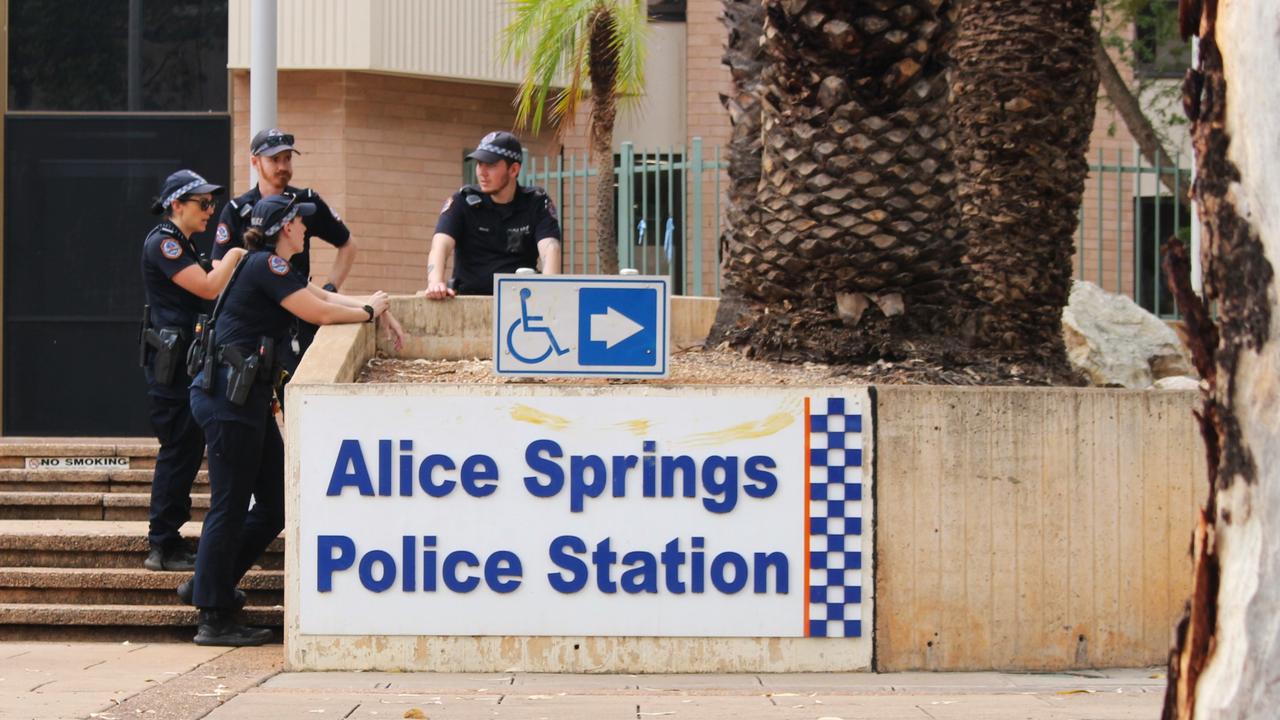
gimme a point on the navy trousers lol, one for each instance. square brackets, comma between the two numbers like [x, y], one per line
[181, 452]
[245, 460]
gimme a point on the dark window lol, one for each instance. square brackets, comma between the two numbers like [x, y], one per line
[118, 55]
[1157, 220]
[671, 11]
[1158, 49]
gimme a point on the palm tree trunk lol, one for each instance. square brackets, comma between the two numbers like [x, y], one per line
[845, 248]
[1023, 96]
[604, 76]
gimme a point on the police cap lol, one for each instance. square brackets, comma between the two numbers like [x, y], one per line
[271, 141]
[497, 146]
[271, 214]
[181, 184]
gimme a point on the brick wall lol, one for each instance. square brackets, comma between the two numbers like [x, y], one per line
[385, 151]
[706, 79]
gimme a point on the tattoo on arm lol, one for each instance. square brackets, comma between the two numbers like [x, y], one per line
[430, 268]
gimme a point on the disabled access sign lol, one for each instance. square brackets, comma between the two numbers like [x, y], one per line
[581, 325]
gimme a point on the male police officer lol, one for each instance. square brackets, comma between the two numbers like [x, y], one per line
[495, 226]
[271, 154]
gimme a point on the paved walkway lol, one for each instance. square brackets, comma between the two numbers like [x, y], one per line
[57, 681]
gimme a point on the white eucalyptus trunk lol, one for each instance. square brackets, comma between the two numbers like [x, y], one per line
[1241, 675]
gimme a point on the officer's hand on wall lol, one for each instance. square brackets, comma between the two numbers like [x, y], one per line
[439, 291]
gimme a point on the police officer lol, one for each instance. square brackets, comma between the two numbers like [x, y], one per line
[271, 154]
[231, 399]
[494, 226]
[178, 280]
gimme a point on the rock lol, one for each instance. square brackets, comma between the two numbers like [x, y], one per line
[1177, 382]
[1116, 343]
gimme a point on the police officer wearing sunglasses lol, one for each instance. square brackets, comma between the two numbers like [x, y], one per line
[178, 281]
[271, 154]
[231, 399]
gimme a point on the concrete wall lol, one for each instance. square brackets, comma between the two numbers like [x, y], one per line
[1015, 529]
[1032, 529]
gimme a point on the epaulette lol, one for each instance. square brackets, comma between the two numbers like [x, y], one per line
[244, 211]
[472, 193]
[532, 190]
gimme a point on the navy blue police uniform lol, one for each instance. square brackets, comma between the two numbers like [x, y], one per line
[324, 224]
[167, 331]
[494, 237]
[246, 454]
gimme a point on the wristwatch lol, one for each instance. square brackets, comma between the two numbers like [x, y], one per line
[369, 309]
[330, 287]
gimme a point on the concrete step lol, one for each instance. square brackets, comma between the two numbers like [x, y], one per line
[44, 480]
[86, 506]
[15, 450]
[92, 544]
[120, 586]
[136, 623]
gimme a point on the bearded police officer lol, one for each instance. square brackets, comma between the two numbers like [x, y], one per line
[271, 154]
[494, 226]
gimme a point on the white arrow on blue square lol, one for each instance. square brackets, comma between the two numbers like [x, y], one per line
[586, 325]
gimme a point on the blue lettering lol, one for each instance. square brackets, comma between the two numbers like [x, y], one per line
[327, 563]
[688, 476]
[603, 558]
[500, 565]
[579, 488]
[726, 486]
[350, 456]
[560, 551]
[781, 568]
[409, 551]
[672, 559]
[622, 464]
[384, 468]
[406, 468]
[425, 470]
[388, 563]
[718, 575]
[757, 470]
[643, 578]
[450, 568]
[555, 476]
[479, 475]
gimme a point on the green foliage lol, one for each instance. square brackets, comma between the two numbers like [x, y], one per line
[1143, 35]
[551, 38]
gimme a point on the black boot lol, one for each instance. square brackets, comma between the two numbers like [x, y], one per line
[187, 591]
[218, 627]
[176, 558]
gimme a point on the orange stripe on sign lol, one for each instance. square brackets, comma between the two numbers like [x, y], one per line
[806, 517]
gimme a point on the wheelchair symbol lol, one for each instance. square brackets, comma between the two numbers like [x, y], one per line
[540, 348]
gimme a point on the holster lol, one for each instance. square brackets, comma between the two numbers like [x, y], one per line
[161, 346]
[246, 369]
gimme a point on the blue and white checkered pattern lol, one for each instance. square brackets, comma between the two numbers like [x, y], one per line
[835, 518]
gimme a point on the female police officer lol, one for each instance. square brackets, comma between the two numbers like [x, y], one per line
[231, 398]
[178, 281]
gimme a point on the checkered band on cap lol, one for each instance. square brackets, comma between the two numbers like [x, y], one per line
[511, 155]
[184, 190]
[289, 215]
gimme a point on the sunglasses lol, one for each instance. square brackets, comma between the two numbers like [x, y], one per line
[273, 141]
[205, 203]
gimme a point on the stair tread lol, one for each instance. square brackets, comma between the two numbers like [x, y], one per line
[121, 578]
[94, 534]
[40, 497]
[78, 447]
[135, 476]
[115, 615]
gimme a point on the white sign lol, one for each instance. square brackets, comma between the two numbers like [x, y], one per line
[737, 513]
[581, 325]
[77, 463]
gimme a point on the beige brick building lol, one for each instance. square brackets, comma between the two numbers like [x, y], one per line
[384, 125]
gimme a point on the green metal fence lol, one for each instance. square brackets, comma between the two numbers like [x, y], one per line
[1126, 213]
[671, 224]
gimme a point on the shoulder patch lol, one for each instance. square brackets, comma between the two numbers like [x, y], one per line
[551, 206]
[222, 236]
[278, 265]
[171, 249]
[473, 199]
[448, 203]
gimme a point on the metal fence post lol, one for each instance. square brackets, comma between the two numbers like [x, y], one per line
[696, 170]
[626, 168]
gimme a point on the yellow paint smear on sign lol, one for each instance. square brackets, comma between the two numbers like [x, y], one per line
[636, 427]
[533, 416]
[745, 431]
